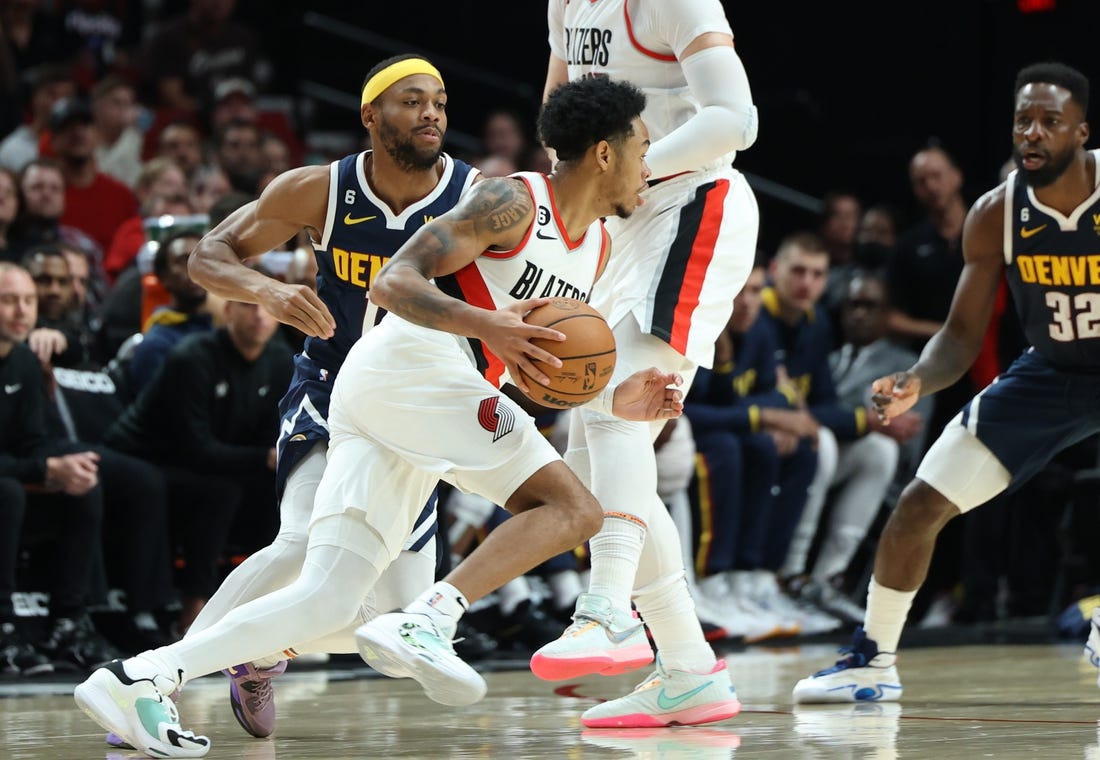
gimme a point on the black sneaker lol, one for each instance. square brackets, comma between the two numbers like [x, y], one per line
[527, 627]
[75, 641]
[18, 656]
[471, 644]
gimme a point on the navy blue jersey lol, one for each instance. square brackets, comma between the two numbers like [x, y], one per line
[361, 234]
[1053, 269]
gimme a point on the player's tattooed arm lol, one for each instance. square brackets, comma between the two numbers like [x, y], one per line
[496, 214]
[501, 212]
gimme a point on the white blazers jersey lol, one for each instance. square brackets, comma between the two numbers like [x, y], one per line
[546, 263]
[636, 41]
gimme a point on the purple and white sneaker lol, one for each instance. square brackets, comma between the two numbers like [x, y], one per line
[253, 698]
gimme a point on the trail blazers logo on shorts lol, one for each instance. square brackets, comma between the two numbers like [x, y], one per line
[496, 417]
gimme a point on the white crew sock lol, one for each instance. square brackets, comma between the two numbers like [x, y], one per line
[616, 550]
[887, 610]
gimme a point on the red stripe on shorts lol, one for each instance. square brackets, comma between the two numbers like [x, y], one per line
[702, 253]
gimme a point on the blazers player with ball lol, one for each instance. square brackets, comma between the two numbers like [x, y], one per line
[419, 399]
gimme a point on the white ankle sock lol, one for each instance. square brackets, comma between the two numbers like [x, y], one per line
[887, 610]
[616, 550]
[444, 603]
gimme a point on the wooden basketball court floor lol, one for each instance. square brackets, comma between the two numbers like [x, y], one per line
[965, 702]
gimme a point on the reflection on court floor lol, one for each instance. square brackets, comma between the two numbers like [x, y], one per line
[964, 703]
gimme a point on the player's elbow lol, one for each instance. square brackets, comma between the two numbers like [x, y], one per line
[382, 289]
[742, 124]
[198, 265]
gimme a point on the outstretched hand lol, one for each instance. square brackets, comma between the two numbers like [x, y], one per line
[894, 395]
[646, 396]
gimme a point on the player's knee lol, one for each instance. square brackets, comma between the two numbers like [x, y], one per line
[922, 508]
[587, 518]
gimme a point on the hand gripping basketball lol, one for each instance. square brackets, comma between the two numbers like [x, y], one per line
[587, 354]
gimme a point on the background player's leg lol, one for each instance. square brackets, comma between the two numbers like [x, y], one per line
[278, 564]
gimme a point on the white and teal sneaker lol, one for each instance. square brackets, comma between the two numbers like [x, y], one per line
[137, 712]
[601, 640]
[670, 698]
[668, 742]
[863, 675]
[411, 645]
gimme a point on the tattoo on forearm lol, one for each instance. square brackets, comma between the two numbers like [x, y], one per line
[428, 308]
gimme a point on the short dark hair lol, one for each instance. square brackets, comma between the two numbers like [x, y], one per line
[160, 258]
[222, 131]
[227, 204]
[41, 249]
[580, 113]
[1060, 74]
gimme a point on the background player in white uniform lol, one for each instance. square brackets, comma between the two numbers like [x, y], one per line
[358, 211]
[419, 401]
[668, 295]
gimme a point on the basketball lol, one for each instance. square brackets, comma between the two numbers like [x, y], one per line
[587, 354]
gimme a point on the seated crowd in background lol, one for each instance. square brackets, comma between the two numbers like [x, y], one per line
[145, 410]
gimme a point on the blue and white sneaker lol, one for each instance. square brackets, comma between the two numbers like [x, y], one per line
[863, 675]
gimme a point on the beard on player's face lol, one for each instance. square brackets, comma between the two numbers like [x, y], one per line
[1047, 174]
[622, 211]
[404, 152]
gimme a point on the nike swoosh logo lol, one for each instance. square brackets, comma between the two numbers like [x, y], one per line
[176, 739]
[349, 219]
[1026, 233]
[620, 636]
[540, 236]
[9, 389]
[666, 702]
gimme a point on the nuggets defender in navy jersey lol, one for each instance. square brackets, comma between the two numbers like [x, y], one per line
[418, 400]
[358, 211]
[1041, 229]
[667, 296]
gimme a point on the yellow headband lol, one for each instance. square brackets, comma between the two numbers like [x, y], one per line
[377, 84]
